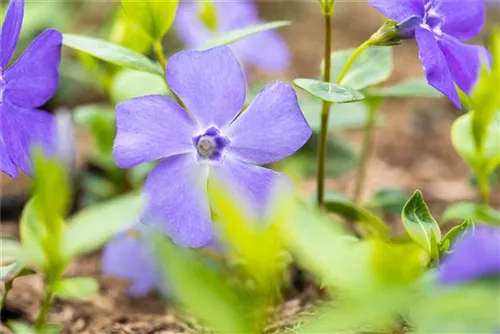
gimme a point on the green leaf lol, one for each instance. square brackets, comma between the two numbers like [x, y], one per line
[351, 211]
[128, 35]
[100, 120]
[125, 87]
[153, 17]
[201, 290]
[419, 223]
[112, 53]
[76, 288]
[32, 231]
[454, 234]
[343, 116]
[21, 327]
[92, 227]
[466, 210]
[388, 199]
[373, 66]
[483, 163]
[485, 98]
[10, 249]
[329, 91]
[235, 35]
[10, 271]
[415, 87]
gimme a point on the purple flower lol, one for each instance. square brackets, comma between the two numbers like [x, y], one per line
[213, 143]
[440, 26]
[25, 85]
[475, 256]
[128, 257]
[198, 21]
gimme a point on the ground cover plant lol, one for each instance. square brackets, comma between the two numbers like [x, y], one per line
[201, 148]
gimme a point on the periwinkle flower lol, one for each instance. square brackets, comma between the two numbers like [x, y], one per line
[24, 86]
[440, 27]
[127, 256]
[475, 256]
[198, 21]
[213, 143]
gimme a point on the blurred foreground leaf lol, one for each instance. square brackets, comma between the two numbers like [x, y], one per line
[10, 249]
[128, 35]
[201, 290]
[153, 17]
[112, 53]
[92, 227]
[466, 210]
[329, 91]
[76, 288]
[235, 35]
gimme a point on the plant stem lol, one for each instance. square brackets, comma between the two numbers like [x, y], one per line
[484, 188]
[351, 60]
[325, 112]
[159, 54]
[3, 297]
[41, 319]
[365, 153]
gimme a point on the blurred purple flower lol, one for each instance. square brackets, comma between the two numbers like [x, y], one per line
[216, 144]
[198, 21]
[440, 26]
[129, 258]
[27, 84]
[475, 256]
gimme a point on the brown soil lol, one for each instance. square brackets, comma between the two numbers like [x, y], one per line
[412, 150]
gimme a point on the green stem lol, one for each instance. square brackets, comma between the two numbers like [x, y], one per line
[41, 319]
[7, 287]
[351, 60]
[365, 154]
[160, 55]
[325, 111]
[484, 188]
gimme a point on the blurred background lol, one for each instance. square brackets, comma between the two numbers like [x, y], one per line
[412, 142]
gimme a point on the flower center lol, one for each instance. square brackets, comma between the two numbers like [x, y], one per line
[432, 20]
[211, 145]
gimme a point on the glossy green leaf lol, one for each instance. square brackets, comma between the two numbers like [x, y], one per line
[388, 199]
[466, 210]
[419, 223]
[128, 35]
[76, 288]
[485, 98]
[343, 116]
[112, 53]
[237, 34]
[463, 141]
[455, 234]
[415, 87]
[352, 212]
[372, 67]
[329, 91]
[92, 227]
[201, 290]
[124, 85]
[153, 17]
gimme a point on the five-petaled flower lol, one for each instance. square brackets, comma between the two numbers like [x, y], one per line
[24, 86]
[198, 21]
[440, 26]
[214, 142]
[475, 256]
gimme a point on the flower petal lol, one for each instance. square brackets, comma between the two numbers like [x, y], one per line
[6, 164]
[272, 128]
[177, 203]
[33, 78]
[127, 257]
[464, 61]
[435, 66]
[189, 27]
[399, 10]
[475, 256]
[210, 83]
[461, 19]
[149, 128]
[11, 28]
[266, 50]
[24, 129]
[254, 184]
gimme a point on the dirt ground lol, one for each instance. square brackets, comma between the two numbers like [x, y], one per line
[412, 150]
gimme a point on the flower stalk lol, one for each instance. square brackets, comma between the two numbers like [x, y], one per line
[41, 319]
[158, 48]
